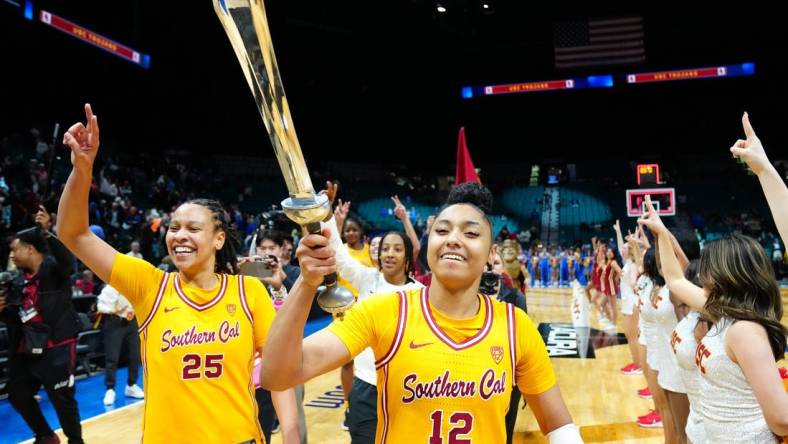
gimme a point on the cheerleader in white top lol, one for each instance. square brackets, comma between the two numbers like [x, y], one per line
[650, 290]
[684, 342]
[667, 313]
[629, 299]
[742, 397]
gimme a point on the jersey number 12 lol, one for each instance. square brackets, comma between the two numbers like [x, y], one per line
[462, 422]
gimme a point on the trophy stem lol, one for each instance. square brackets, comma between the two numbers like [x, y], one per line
[332, 297]
[309, 212]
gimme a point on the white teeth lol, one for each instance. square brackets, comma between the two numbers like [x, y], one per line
[183, 250]
[454, 257]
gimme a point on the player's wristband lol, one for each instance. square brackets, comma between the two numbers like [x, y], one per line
[566, 434]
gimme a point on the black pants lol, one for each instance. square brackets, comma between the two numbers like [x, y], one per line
[363, 415]
[54, 370]
[511, 415]
[265, 412]
[118, 331]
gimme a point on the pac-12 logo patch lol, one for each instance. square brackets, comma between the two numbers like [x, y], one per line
[496, 351]
[230, 309]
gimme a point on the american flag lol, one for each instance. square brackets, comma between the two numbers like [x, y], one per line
[599, 42]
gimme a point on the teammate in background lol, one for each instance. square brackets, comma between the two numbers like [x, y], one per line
[353, 233]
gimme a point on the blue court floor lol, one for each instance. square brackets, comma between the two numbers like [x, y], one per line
[90, 397]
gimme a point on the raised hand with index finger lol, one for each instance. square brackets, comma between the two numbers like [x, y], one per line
[651, 219]
[750, 149]
[83, 140]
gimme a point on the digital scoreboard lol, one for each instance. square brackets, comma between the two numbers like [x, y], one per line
[648, 174]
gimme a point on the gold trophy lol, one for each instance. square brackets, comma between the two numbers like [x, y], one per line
[246, 25]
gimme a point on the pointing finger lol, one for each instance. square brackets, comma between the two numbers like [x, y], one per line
[748, 131]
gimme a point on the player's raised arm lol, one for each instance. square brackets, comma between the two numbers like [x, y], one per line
[298, 360]
[72, 212]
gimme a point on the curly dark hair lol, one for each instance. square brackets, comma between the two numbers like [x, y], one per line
[472, 193]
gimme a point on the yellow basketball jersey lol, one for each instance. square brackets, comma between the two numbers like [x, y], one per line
[197, 349]
[443, 380]
[362, 256]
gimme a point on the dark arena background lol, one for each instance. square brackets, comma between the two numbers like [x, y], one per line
[570, 115]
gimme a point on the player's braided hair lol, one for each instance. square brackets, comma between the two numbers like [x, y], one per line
[226, 257]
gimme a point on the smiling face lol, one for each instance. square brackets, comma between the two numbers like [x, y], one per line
[459, 246]
[192, 239]
[509, 253]
[352, 232]
[393, 255]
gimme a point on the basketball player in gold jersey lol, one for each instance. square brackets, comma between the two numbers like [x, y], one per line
[447, 357]
[199, 326]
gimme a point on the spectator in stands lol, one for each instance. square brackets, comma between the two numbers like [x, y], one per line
[120, 327]
[135, 250]
[87, 283]
[43, 326]
[287, 251]
[524, 237]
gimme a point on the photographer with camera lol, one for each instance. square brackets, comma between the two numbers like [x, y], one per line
[266, 264]
[43, 326]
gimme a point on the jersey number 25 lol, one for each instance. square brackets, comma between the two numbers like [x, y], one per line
[193, 367]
